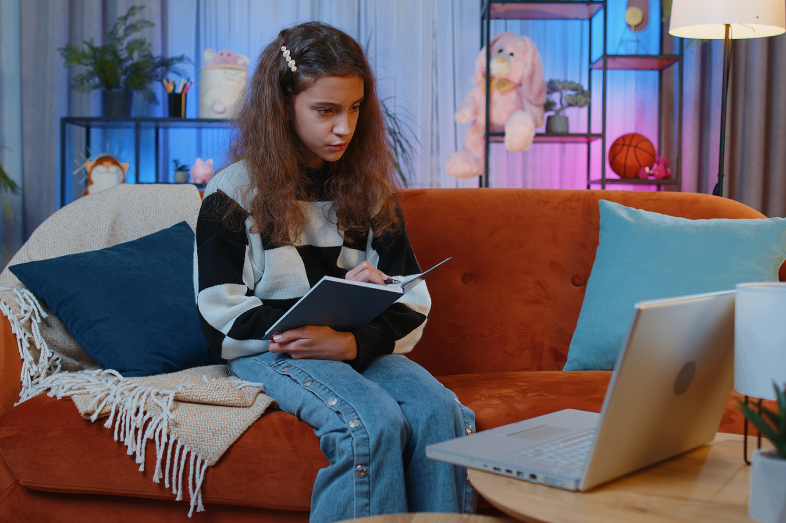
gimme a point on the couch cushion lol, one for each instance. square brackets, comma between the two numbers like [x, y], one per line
[646, 255]
[500, 398]
[131, 307]
[49, 447]
[510, 297]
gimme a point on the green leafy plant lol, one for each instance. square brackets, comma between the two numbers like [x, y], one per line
[571, 94]
[8, 215]
[770, 424]
[180, 167]
[402, 140]
[125, 61]
[6, 183]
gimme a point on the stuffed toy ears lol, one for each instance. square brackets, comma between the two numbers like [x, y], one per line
[209, 55]
[533, 83]
[480, 61]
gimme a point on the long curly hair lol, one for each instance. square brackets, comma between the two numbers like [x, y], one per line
[361, 182]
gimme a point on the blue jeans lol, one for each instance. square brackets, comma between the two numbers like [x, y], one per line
[373, 428]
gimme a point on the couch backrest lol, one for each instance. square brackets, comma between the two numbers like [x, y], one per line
[511, 296]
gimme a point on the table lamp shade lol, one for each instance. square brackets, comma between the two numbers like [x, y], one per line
[707, 19]
[759, 338]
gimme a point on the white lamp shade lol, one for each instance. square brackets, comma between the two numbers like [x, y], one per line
[759, 338]
[707, 19]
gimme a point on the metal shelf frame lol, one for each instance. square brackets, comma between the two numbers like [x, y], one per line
[585, 10]
[138, 124]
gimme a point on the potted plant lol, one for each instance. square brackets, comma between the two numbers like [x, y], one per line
[402, 140]
[571, 94]
[181, 172]
[767, 500]
[6, 185]
[124, 64]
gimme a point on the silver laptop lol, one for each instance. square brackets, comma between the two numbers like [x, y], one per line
[667, 395]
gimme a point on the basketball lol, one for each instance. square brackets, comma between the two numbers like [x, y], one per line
[629, 153]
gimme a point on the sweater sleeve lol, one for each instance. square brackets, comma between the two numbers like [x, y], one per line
[233, 319]
[398, 328]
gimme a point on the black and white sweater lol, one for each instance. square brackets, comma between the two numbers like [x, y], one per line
[244, 284]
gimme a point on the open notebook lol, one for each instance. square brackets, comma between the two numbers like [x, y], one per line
[344, 305]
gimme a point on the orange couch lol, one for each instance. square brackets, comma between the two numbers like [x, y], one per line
[504, 310]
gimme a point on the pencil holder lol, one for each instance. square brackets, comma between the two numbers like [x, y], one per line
[177, 105]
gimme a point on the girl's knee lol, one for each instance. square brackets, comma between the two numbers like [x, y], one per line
[389, 424]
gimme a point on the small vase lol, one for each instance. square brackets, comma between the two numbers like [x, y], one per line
[767, 500]
[557, 124]
[181, 177]
[117, 103]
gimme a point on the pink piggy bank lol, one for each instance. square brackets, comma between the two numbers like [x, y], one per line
[202, 172]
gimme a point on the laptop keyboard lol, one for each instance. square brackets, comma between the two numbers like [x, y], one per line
[573, 450]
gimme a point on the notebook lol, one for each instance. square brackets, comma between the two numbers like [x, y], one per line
[667, 395]
[344, 305]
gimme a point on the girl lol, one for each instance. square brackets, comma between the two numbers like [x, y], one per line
[310, 194]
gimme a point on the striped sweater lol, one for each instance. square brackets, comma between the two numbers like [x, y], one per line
[244, 284]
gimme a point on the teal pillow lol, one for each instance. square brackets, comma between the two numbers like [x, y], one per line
[131, 307]
[646, 255]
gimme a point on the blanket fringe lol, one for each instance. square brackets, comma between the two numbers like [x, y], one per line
[125, 401]
[48, 363]
[134, 424]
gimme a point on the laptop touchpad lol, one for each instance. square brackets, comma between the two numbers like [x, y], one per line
[539, 432]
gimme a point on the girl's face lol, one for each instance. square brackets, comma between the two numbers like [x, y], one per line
[325, 116]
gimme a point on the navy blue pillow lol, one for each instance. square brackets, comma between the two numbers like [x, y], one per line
[131, 307]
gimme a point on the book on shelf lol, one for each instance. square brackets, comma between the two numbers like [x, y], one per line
[344, 305]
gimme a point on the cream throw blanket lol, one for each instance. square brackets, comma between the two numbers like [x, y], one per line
[193, 416]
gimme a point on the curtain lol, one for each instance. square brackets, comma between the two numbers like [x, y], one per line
[755, 144]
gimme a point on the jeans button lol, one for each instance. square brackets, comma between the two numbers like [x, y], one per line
[332, 402]
[308, 382]
[285, 368]
[469, 430]
[360, 471]
[354, 423]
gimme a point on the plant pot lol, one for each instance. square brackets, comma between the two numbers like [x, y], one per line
[181, 177]
[117, 103]
[557, 124]
[767, 501]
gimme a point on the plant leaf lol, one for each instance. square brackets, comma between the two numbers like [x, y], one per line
[772, 431]
[123, 62]
[6, 183]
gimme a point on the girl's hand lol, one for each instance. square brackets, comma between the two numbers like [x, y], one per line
[366, 272]
[318, 343]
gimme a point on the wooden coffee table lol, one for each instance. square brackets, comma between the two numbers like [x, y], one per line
[432, 517]
[709, 483]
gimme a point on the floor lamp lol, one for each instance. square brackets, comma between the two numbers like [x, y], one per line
[727, 20]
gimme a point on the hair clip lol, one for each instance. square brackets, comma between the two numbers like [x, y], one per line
[290, 61]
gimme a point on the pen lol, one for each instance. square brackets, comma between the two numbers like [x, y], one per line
[390, 281]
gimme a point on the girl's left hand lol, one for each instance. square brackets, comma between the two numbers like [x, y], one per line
[319, 343]
[366, 272]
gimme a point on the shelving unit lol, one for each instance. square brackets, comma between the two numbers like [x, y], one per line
[585, 10]
[70, 143]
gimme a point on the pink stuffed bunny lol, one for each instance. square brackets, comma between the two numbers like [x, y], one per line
[518, 92]
[202, 172]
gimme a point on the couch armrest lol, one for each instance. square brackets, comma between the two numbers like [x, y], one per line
[10, 367]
